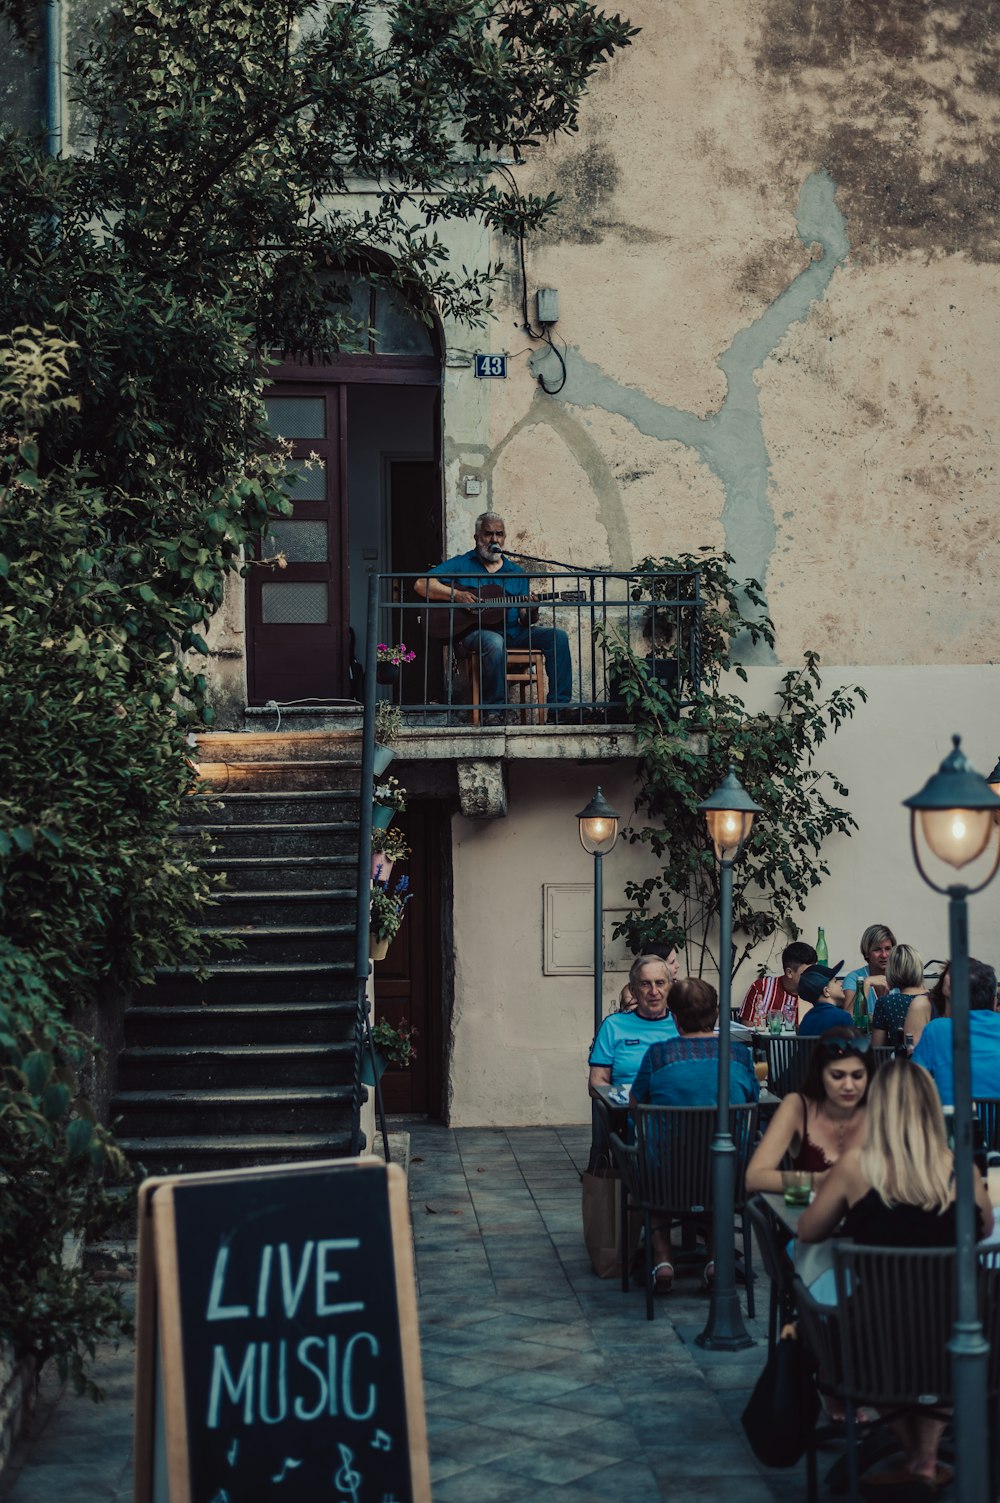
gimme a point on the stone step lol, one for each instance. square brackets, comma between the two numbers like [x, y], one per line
[334, 906]
[260, 943]
[281, 873]
[236, 1024]
[273, 807]
[263, 1109]
[209, 1066]
[324, 838]
[236, 981]
[195, 1155]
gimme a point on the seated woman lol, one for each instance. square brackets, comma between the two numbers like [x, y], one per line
[685, 1072]
[904, 972]
[897, 1190]
[814, 1127]
[927, 1006]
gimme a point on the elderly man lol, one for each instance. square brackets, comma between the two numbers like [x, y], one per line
[623, 1037]
[934, 1047]
[462, 581]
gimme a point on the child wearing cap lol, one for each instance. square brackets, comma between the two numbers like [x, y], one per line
[820, 986]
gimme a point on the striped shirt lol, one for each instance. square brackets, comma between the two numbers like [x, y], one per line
[767, 995]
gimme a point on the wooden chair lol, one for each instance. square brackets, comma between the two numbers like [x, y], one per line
[526, 683]
[668, 1172]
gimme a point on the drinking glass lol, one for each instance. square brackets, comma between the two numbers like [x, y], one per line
[797, 1186]
[774, 1022]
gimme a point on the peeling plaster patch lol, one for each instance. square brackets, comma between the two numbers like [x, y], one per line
[731, 441]
[901, 101]
[587, 179]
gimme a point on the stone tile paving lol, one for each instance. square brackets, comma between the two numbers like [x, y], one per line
[540, 1380]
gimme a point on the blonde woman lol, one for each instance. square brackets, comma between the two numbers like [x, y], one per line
[897, 1190]
[904, 972]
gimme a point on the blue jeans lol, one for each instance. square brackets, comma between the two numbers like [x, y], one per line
[551, 641]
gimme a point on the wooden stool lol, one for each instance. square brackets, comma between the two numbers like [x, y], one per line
[525, 681]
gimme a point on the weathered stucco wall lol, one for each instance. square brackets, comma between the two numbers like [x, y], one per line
[778, 281]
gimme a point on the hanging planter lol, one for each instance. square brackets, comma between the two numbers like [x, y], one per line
[381, 867]
[378, 949]
[368, 1077]
[383, 756]
[382, 816]
[387, 673]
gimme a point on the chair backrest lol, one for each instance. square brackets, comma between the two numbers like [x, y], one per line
[896, 1310]
[883, 1054]
[771, 1238]
[988, 1112]
[673, 1155]
[788, 1060]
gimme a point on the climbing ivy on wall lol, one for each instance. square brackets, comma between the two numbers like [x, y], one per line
[686, 754]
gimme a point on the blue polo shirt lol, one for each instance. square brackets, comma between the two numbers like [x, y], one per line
[622, 1041]
[467, 572]
[820, 1017]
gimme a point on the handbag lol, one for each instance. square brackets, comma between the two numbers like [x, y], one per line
[784, 1406]
[602, 1199]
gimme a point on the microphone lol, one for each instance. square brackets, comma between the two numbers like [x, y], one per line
[495, 549]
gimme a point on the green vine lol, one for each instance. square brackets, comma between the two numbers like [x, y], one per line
[685, 755]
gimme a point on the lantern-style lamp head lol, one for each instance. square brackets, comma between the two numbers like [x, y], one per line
[598, 826]
[729, 813]
[956, 809]
[994, 780]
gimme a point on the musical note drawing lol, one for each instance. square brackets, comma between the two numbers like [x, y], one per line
[289, 1464]
[381, 1441]
[347, 1480]
[233, 1452]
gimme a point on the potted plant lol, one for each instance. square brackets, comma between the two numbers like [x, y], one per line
[388, 847]
[389, 660]
[386, 914]
[388, 724]
[389, 799]
[393, 1047]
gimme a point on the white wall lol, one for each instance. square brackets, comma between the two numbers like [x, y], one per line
[521, 1038]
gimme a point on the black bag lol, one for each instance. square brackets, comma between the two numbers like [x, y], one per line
[784, 1405]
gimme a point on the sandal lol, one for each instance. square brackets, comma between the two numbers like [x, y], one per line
[708, 1275]
[663, 1278]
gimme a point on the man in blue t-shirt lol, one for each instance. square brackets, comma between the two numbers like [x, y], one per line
[623, 1037]
[459, 581]
[820, 986]
[934, 1047]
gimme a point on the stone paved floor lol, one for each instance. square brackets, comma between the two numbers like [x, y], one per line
[541, 1381]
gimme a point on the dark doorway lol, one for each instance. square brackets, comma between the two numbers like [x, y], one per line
[415, 546]
[408, 980]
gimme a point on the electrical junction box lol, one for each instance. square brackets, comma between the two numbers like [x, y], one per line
[547, 305]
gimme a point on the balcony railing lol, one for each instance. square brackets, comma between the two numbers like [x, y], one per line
[556, 653]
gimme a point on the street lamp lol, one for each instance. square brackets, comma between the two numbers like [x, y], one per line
[956, 811]
[598, 833]
[729, 813]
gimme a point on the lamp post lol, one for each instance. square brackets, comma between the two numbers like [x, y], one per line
[957, 812]
[598, 833]
[729, 813]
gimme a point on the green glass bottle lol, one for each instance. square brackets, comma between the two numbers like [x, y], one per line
[861, 1019]
[822, 953]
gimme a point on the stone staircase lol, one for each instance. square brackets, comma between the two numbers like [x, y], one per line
[253, 1063]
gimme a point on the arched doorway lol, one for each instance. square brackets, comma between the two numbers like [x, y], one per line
[373, 416]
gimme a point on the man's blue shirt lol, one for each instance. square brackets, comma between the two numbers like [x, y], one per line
[622, 1041]
[685, 1072]
[934, 1048]
[468, 572]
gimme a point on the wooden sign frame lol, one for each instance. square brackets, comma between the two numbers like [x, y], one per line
[161, 1439]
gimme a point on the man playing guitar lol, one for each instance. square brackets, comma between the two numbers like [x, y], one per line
[461, 582]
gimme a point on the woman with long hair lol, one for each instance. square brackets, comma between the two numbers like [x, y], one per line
[817, 1125]
[897, 1190]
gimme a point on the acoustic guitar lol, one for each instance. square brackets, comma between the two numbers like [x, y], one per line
[444, 620]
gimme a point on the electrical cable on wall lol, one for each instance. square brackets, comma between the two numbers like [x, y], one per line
[544, 334]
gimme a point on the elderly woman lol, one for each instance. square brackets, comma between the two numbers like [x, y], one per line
[684, 1071]
[904, 972]
[623, 1037]
[819, 1124]
[876, 944]
[897, 1190]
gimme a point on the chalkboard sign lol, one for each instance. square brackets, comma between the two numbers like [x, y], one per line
[278, 1355]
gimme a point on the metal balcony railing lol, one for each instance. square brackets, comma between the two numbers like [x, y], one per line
[548, 661]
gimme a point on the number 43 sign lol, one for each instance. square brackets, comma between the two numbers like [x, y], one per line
[491, 366]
